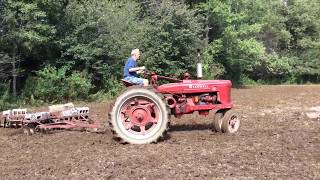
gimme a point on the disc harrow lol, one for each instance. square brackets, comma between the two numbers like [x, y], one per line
[59, 117]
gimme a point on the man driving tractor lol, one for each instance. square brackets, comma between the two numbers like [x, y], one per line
[131, 70]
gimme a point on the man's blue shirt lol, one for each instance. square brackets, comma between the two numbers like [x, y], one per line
[131, 63]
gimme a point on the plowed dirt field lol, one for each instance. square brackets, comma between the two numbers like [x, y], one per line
[276, 140]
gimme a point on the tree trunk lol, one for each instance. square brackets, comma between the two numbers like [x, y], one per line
[14, 78]
[207, 30]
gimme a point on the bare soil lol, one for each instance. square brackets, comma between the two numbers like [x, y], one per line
[276, 141]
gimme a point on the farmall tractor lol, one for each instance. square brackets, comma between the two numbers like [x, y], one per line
[141, 115]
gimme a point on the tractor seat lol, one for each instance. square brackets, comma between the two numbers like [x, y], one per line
[126, 83]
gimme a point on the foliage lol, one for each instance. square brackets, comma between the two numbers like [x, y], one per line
[100, 36]
[6, 100]
[304, 24]
[54, 85]
[260, 40]
[172, 37]
[24, 28]
[58, 50]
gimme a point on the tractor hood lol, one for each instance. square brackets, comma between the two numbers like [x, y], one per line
[195, 86]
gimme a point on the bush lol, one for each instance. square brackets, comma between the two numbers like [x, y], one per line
[112, 87]
[78, 85]
[54, 85]
[245, 80]
[4, 100]
[7, 101]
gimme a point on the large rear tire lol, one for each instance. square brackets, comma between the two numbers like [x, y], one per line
[139, 116]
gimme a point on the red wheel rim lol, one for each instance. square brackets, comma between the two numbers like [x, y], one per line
[233, 122]
[139, 115]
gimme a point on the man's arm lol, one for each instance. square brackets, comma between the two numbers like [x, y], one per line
[137, 69]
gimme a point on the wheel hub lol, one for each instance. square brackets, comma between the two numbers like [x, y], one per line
[233, 121]
[140, 116]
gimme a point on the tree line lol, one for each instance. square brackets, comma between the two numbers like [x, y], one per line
[57, 50]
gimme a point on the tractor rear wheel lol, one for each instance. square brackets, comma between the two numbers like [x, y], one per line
[230, 122]
[139, 116]
[217, 120]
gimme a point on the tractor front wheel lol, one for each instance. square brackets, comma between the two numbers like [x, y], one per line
[139, 116]
[230, 122]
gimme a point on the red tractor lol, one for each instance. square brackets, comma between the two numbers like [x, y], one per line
[141, 115]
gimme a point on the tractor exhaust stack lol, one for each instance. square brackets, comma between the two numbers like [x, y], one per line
[199, 65]
[199, 70]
